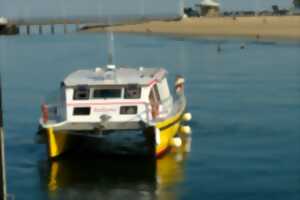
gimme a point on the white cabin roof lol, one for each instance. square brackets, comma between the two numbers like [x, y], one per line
[115, 76]
[3, 21]
[212, 3]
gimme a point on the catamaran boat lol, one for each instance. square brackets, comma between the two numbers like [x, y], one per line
[96, 103]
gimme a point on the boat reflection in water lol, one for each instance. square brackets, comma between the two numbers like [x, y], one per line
[98, 177]
[170, 171]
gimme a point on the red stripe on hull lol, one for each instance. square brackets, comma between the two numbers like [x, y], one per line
[163, 152]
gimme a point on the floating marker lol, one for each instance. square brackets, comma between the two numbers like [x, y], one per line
[186, 130]
[176, 142]
[219, 49]
[187, 117]
[243, 46]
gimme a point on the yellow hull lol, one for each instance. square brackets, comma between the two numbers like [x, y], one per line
[58, 143]
[168, 129]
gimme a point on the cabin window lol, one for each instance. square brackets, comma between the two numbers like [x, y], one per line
[82, 111]
[163, 90]
[154, 101]
[128, 110]
[107, 93]
[132, 92]
[81, 93]
[156, 93]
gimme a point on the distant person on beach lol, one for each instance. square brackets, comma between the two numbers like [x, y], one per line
[148, 30]
[265, 21]
[257, 36]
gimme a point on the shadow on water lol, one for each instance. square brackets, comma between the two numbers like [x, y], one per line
[92, 177]
[98, 176]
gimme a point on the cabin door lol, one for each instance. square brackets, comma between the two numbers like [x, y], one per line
[154, 100]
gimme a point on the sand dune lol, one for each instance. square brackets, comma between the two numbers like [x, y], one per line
[282, 27]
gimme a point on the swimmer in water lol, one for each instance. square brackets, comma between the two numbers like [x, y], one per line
[243, 46]
[219, 49]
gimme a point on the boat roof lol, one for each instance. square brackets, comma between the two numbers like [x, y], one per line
[3, 21]
[213, 3]
[111, 75]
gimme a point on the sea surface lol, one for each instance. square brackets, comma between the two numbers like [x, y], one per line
[245, 103]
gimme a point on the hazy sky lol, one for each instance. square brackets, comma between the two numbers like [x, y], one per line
[45, 8]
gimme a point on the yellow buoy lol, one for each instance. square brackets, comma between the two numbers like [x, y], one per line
[187, 117]
[186, 130]
[176, 142]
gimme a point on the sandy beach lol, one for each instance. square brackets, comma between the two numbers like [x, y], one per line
[277, 27]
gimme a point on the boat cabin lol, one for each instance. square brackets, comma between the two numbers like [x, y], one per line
[115, 95]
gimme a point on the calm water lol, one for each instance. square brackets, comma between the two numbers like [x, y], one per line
[245, 106]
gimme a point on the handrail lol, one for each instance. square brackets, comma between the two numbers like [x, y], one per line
[53, 109]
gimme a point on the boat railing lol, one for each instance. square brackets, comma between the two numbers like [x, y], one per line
[53, 114]
[178, 104]
[51, 111]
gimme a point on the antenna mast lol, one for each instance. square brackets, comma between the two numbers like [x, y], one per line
[111, 48]
[3, 194]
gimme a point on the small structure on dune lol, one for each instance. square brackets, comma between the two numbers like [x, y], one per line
[297, 4]
[210, 8]
[190, 12]
[6, 28]
[297, 7]
[3, 21]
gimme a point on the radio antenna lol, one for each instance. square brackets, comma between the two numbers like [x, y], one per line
[111, 41]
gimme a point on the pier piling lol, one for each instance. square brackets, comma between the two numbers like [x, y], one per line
[52, 29]
[28, 29]
[3, 194]
[65, 29]
[40, 29]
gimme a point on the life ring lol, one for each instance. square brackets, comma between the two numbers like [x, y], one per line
[45, 113]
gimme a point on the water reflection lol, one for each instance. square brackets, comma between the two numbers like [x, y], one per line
[98, 177]
[170, 171]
